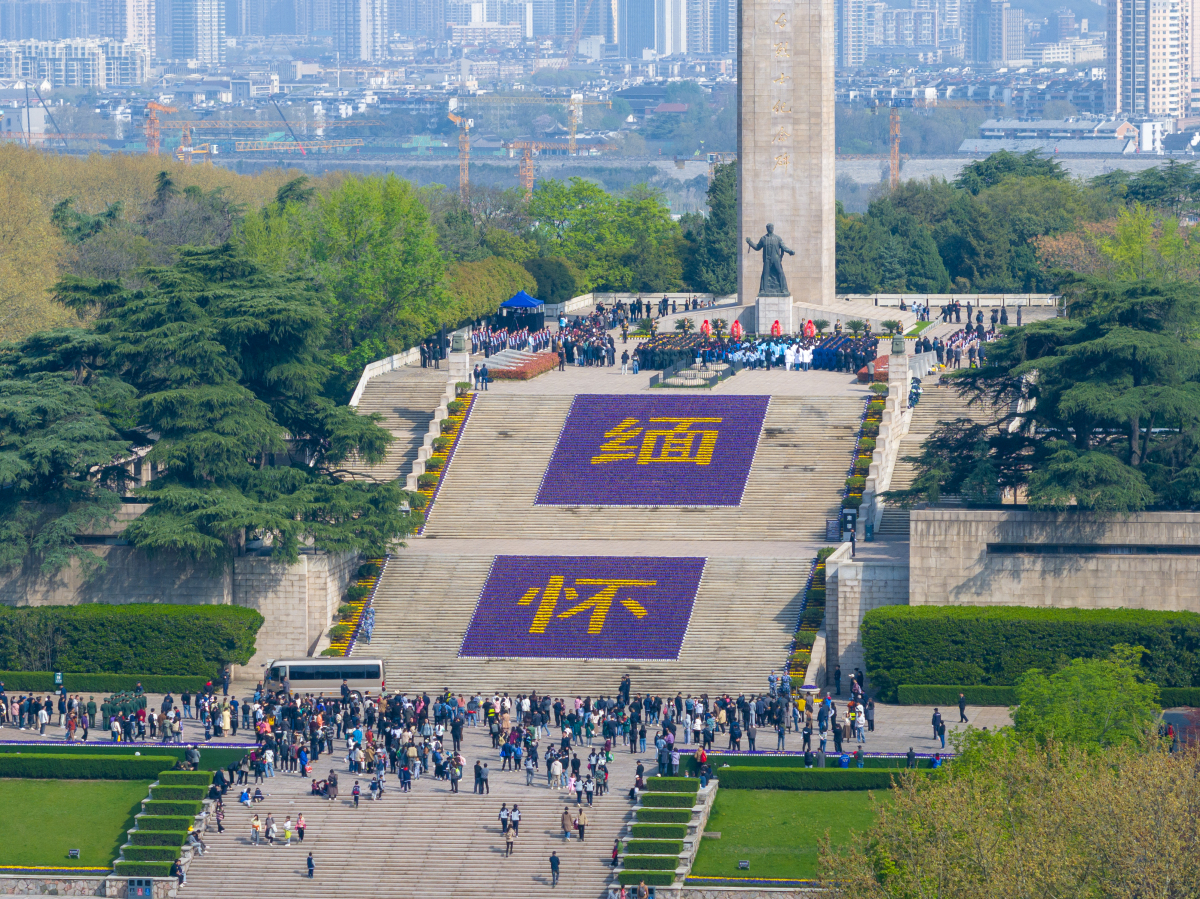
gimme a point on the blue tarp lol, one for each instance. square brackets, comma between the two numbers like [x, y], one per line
[520, 300]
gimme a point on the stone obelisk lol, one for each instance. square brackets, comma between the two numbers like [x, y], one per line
[786, 144]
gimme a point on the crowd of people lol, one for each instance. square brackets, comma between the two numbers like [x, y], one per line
[488, 341]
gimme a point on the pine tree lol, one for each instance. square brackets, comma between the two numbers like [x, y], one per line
[718, 252]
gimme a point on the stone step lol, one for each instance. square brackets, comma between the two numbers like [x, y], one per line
[405, 400]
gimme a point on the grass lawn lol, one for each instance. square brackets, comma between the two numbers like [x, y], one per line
[43, 819]
[777, 830]
[916, 329]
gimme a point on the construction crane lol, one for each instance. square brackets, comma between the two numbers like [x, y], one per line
[525, 171]
[575, 35]
[153, 129]
[185, 150]
[464, 154]
[574, 104]
[898, 103]
[246, 146]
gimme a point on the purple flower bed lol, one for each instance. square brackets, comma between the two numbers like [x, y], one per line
[599, 607]
[654, 451]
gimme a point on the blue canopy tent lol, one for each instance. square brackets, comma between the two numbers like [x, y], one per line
[521, 311]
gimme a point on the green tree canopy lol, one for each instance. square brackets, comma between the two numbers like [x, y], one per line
[1109, 406]
[717, 253]
[216, 371]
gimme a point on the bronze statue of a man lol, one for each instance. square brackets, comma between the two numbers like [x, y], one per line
[773, 283]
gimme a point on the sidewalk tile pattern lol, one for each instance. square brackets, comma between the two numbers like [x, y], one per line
[597, 607]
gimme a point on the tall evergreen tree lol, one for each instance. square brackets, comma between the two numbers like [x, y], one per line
[717, 256]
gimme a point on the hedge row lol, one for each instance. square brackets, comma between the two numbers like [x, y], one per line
[818, 779]
[797, 761]
[650, 878]
[144, 869]
[659, 831]
[211, 758]
[650, 862]
[152, 638]
[654, 847]
[43, 682]
[943, 695]
[668, 800]
[158, 807]
[673, 785]
[185, 778]
[176, 794]
[1175, 697]
[58, 766]
[158, 837]
[150, 854]
[994, 646]
[663, 816]
[165, 822]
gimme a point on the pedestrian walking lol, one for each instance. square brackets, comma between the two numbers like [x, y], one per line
[582, 823]
[503, 816]
[554, 862]
[300, 825]
[567, 824]
[962, 709]
[616, 852]
[509, 838]
[311, 867]
[514, 819]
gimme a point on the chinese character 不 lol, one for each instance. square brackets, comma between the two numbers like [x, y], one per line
[675, 444]
[781, 162]
[599, 604]
[782, 135]
[781, 50]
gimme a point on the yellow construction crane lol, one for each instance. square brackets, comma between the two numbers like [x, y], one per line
[464, 154]
[574, 104]
[185, 151]
[153, 129]
[898, 103]
[525, 171]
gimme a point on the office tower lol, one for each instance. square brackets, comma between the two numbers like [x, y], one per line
[42, 20]
[360, 29]
[1064, 24]
[699, 26]
[198, 31]
[997, 32]
[670, 27]
[402, 17]
[851, 34]
[128, 21]
[635, 28]
[431, 19]
[1149, 58]
[724, 17]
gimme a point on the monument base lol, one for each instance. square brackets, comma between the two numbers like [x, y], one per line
[769, 310]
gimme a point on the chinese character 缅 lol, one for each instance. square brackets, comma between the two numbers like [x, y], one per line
[781, 50]
[675, 444]
[781, 162]
[599, 603]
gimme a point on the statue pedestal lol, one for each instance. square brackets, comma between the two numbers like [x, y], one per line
[769, 310]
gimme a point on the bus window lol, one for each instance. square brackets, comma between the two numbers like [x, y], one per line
[278, 673]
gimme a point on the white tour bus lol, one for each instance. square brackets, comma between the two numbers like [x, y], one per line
[324, 676]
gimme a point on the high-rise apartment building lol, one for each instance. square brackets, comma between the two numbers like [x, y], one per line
[996, 31]
[360, 28]
[851, 33]
[635, 28]
[1149, 58]
[42, 20]
[725, 27]
[128, 21]
[699, 26]
[670, 27]
[198, 31]
[75, 63]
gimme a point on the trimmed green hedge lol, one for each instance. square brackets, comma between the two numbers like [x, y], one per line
[158, 837]
[210, 757]
[153, 638]
[1175, 697]
[668, 800]
[663, 816]
[820, 779]
[150, 854]
[158, 807]
[58, 766]
[175, 794]
[673, 785]
[654, 847]
[994, 646]
[185, 778]
[797, 761]
[165, 822]
[144, 869]
[659, 831]
[942, 695]
[43, 682]
[650, 878]
[650, 862]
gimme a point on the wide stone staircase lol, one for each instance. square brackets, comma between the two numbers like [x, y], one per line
[419, 844]
[937, 405]
[742, 622]
[406, 399]
[794, 484]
